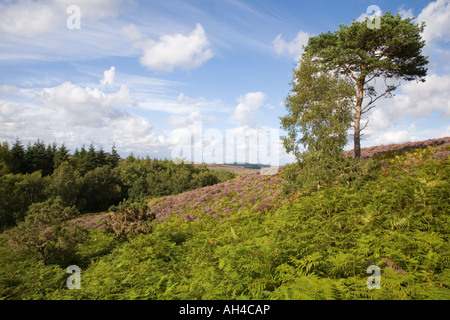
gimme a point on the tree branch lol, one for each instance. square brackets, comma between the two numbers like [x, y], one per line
[365, 126]
[367, 108]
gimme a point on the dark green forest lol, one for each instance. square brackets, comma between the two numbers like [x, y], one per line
[89, 180]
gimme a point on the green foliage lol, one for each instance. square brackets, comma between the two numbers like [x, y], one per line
[22, 276]
[43, 233]
[155, 178]
[39, 157]
[61, 156]
[316, 246]
[91, 180]
[394, 50]
[17, 193]
[319, 115]
[349, 172]
[99, 189]
[319, 112]
[17, 153]
[65, 183]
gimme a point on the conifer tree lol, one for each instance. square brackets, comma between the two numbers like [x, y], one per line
[364, 54]
[18, 157]
[62, 155]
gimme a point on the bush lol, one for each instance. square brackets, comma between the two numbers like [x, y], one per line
[17, 193]
[44, 233]
[129, 219]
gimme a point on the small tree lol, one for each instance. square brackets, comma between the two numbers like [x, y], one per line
[319, 115]
[61, 156]
[44, 232]
[65, 183]
[363, 54]
[18, 158]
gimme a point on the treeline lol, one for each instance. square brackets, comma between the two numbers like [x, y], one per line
[89, 180]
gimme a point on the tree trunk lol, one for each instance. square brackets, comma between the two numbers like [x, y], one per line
[356, 136]
[357, 121]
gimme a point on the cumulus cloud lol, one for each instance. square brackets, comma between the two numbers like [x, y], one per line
[412, 101]
[437, 19]
[108, 77]
[420, 99]
[247, 108]
[76, 115]
[176, 51]
[293, 48]
[86, 106]
[394, 137]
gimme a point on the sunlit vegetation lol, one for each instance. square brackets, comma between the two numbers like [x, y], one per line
[249, 237]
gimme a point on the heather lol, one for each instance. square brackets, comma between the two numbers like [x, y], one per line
[253, 238]
[379, 150]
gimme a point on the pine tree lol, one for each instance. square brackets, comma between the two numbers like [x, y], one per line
[62, 155]
[114, 157]
[5, 158]
[18, 157]
[363, 54]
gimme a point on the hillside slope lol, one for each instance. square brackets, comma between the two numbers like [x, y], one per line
[242, 239]
[249, 190]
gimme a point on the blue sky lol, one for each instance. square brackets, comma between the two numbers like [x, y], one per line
[149, 75]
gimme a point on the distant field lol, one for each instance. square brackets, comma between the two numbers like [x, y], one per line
[235, 169]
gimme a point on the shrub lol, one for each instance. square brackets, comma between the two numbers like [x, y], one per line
[129, 219]
[44, 233]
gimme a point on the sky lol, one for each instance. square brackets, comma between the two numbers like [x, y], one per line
[203, 80]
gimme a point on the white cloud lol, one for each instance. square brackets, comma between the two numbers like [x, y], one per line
[413, 100]
[420, 99]
[76, 115]
[437, 19]
[86, 106]
[27, 18]
[176, 51]
[131, 32]
[293, 48]
[181, 105]
[79, 106]
[406, 13]
[394, 137]
[94, 10]
[9, 89]
[108, 77]
[121, 97]
[33, 30]
[8, 111]
[247, 108]
[177, 121]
